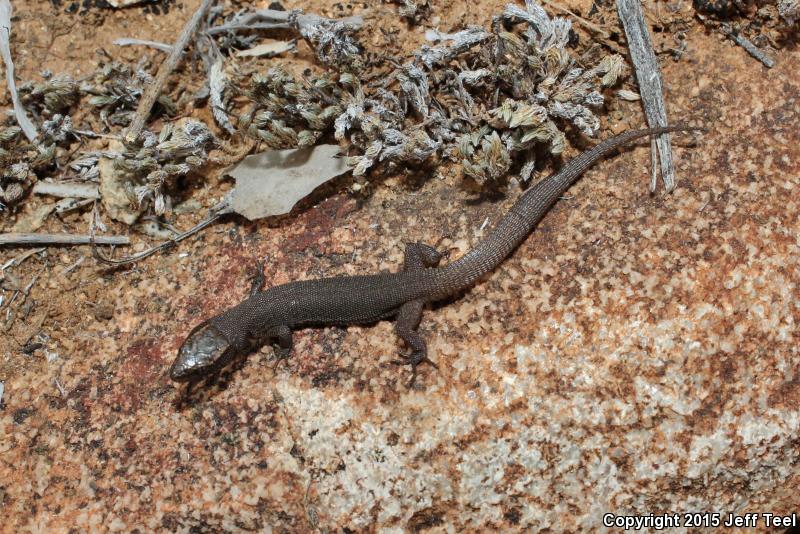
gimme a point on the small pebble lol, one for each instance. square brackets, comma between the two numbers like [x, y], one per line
[103, 312]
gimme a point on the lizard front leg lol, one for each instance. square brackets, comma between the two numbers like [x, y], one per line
[417, 257]
[257, 279]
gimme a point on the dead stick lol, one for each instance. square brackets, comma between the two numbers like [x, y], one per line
[154, 89]
[60, 239]
[67, 190]
[751, 49]
[651, 87]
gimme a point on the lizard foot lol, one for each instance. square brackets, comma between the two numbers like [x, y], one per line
[281, 355]
[256, 278]
[414, 360]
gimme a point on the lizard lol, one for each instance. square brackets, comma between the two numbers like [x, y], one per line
[271, 315]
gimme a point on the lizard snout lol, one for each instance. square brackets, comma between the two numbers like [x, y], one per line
[203, 351]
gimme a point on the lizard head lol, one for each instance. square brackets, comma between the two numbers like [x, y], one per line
[219, 340]
[204, 351]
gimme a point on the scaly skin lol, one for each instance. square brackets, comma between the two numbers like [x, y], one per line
[345, 300]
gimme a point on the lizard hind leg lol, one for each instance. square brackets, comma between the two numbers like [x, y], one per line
[406, 327]
[419, 255]
[283, 348]
[257, 279]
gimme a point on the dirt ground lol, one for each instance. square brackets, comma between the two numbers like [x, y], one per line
[579, 378]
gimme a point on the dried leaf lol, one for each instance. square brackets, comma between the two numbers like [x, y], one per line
[267, 49]
[125, 41]
[67, 190]
[630, 96]
[272, 182]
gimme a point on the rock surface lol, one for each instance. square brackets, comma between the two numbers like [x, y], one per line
[638, 354]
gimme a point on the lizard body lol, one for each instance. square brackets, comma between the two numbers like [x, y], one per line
[345, 300]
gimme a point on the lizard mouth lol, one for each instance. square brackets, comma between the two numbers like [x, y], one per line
[203, 351]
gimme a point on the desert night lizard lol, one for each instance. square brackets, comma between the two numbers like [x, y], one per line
[272, 315]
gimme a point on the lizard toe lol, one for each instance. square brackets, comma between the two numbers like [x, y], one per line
[415, 359]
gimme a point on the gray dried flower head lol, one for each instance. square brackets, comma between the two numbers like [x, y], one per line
[86, 167]
[153, 160]
[415, 148]
[414, 87]
[487, 99]
[457, 43]
[9, 134]
[789, 10]
[58, 129]
[12, 193]
[51, 96]
[15, 180]
[543, 32]
[287, 112]
[193, 138]
[415, 10]
[116, 89]
[490, 162]
[611, 69]
[331, 39]
[43, 157]
[20, 160]
[514, 113]
[18, 172]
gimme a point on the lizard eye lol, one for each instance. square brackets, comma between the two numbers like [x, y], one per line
[203, 351]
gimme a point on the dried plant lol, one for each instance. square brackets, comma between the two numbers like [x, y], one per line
[332, 39]
[522, 89]
[153, 160]
[789, 10]
[489, 99]
[23, 162]
[20, 162]
[289, 113]
[414, 10]
[53, 95]
[58, 129]
[115, 91]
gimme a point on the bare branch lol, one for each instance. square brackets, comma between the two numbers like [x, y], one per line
[66, 190]
[154, 89]
[215, 213]
[751, 49]
[650, 86]
[125, 41]
[60, 239]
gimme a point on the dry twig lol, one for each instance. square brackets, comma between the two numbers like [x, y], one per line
[154, 89]
[60, 239]
[745, 43]
[67, 190]
[650, 86]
